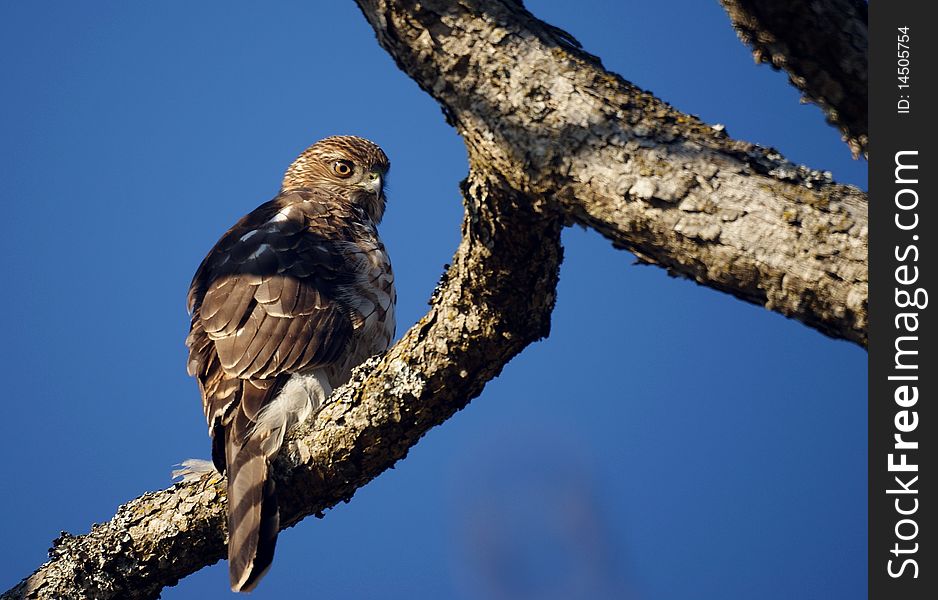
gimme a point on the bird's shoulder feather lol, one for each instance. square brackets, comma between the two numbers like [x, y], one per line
[267, 300]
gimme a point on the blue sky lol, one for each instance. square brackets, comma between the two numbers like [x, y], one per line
[667, 442]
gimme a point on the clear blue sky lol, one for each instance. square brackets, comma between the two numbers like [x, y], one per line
[667, 442]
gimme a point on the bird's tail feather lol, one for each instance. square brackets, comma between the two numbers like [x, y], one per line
[253, 438]
[253, 516]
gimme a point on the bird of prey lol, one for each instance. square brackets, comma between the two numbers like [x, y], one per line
[288, 301]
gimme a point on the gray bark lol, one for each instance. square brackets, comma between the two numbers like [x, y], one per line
[534, 107]
[822, 45]
[553, 139]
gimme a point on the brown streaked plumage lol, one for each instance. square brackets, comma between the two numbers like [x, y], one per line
[288, 301]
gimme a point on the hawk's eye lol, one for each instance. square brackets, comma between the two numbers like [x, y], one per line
[342, 168]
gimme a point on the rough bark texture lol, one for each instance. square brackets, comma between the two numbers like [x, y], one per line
[822, 45]
[675, 191]
[553, 139]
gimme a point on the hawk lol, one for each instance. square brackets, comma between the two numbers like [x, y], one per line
[287, 302]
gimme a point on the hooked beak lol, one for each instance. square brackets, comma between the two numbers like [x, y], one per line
[374, 183]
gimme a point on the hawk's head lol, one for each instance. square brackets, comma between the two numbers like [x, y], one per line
[351, 167]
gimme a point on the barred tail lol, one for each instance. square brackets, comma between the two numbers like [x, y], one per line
[253, 516]
[252, 438]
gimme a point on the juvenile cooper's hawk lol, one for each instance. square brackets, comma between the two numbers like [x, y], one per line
[288, 301]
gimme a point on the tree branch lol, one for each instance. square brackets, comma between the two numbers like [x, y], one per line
[553, 138]
[543, 113]
[822, 46]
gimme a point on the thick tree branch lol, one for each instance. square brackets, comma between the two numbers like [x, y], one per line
[822, 45]
[553, 138]
[546, 115]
